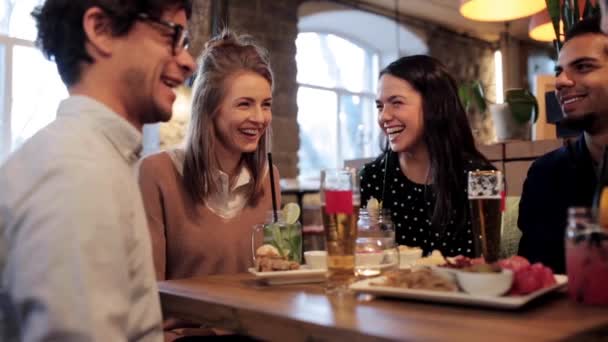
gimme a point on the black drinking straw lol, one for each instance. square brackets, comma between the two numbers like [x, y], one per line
[272, 190]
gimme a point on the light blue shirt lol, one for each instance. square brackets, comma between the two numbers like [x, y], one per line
[75, 254]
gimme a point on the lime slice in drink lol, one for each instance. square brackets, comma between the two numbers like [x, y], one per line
[291, 212]
[373, 204]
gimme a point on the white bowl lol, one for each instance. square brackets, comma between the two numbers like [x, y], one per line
[316, 259]
[408, 257]
[485, 284]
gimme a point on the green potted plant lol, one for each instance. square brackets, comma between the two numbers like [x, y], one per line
[472, 97]
[512, 119]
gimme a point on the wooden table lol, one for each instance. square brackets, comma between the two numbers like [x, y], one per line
[304, 313]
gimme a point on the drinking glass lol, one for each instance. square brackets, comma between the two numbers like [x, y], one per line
[285, 237]
[486, 195]
[376, 250]
[339, 210]
[586, 258]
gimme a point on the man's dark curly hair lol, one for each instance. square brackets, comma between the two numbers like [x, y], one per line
[61, 36]
[590, 25]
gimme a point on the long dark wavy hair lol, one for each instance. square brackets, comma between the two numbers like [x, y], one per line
[447, 134]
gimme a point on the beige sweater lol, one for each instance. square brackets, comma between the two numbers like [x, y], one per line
[188, 239]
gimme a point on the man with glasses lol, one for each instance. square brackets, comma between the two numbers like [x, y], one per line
[75, 255]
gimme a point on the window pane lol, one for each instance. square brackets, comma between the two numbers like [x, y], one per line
[37, 90]
[359, 131]
[315, 67]
[318, 128]
[21, 24]
[4, 143]
[5, 15]
[330, 61]
[352, 64]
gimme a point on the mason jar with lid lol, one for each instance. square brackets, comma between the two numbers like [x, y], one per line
[376, 250]
[586, 258]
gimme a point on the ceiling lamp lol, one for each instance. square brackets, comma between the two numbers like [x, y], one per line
[499, 10]
[541, 27]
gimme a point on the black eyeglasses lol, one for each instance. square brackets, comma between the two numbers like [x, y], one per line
[180, 39]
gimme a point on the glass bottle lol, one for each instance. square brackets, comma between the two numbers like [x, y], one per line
[586, 258]
[376, 250]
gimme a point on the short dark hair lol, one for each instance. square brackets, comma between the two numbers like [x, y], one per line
[447, 133]
[591, 25]
[61, 36]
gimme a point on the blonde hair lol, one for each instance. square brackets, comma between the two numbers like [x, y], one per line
[224, 56]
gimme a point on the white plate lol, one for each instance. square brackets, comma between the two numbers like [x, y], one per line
[303, 275]
[504, 302]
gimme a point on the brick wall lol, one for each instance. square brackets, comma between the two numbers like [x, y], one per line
[467, 60]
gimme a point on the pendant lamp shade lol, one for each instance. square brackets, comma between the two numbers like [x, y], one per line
[499, 10]
[541, 27]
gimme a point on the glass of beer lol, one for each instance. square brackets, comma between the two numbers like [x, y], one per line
[339, 207]
[486, 193]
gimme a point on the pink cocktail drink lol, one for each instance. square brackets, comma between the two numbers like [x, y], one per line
[587, 266]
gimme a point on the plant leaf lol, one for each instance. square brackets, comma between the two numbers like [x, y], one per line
[520, 102]
[576, 13]
[295, 246]
[553, 6]
[567, 15]
[277, 239]
[463, 94]
[478, 96]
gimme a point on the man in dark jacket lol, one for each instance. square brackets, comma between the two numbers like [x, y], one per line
[567, 177]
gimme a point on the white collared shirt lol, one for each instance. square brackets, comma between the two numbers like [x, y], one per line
[229, 201]
[75, 254]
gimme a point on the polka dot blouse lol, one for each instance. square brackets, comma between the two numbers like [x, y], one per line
[411, 206]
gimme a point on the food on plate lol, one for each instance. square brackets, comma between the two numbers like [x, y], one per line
[527, 278]
[434, 259]
[457, 262]
[483, 268]
[422, 279]
[514, 263]
[409, 250]
[511, 276]
[268, 258]
[268, 251]
[461, 261]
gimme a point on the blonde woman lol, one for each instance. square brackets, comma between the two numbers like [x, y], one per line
[203, 199]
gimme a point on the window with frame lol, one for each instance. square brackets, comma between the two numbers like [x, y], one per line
[30, 87]
[337, 80]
